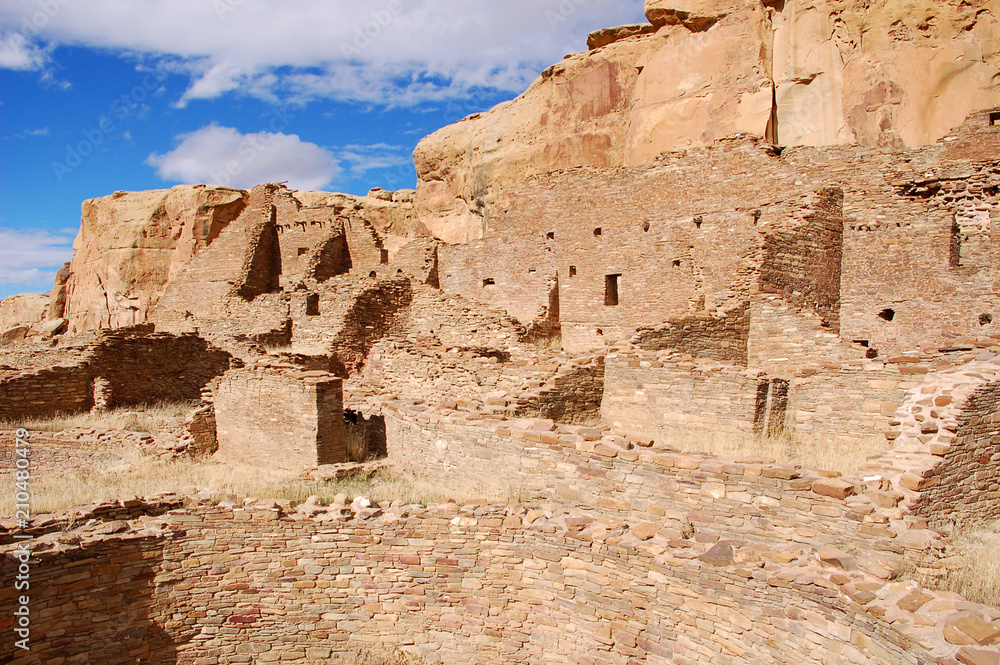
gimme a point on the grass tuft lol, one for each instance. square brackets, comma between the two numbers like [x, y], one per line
[979, 578]
[827, 453]
[148, 418]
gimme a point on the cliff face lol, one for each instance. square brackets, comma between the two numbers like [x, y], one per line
[888, 73]
[131, 244]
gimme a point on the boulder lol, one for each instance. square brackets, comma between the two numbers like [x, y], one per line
[23, 311]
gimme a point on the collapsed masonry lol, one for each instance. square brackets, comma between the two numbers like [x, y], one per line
[801, 290]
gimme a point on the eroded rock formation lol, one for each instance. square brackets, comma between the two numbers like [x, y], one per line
[799, 72]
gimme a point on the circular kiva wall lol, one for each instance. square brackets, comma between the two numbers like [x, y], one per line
[243, 586]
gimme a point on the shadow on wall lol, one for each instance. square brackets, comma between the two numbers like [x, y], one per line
[116, 625]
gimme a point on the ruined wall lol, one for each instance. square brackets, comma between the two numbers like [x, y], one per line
[516, 274]
[650, 396]
[945, 435]
[281, 416]
[242, 263]
[640, 247]
[146, 369]
[455, 588]
[44, 392]
[346, 318]
[132, 367]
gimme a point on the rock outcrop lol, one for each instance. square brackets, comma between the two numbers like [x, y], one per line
[890, 73]
[131, 244]
[22, 314]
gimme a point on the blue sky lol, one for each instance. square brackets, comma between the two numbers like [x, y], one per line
[105, 95]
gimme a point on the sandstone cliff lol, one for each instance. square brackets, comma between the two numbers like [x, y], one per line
[132, 243]
[799, 72]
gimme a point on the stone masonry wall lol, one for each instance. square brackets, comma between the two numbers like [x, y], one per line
[280, 415]
[132, 366]
[748, 500]
[473, 587]
[648, 395]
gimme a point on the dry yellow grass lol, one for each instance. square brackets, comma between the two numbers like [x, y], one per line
[979, 579]
[144, 418]
[134, 474]
[810, 451]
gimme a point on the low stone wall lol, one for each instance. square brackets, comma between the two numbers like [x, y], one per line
[46, 392]
[945, 459]
[712, 497]
[649, 395]
[472, 585]
[278, 414]
[130, 366]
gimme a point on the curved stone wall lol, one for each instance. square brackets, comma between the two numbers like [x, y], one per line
[471, 585]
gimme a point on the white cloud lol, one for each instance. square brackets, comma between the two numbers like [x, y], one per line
[30, 258]
[16, 52]
[44, 131]
[360, 159]
[224, 156]
[384, 51]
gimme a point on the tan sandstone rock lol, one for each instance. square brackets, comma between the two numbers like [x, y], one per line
[799, 72]
[23, 311]
[132, 243]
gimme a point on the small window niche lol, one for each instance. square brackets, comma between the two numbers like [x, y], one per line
[551, 235]
[384, 256]
[887, 314]
[303, 250]
[612, 283]
[489, 281]
[312, 304]
[677, 263]
[985, 319]
[598, 232]
[572, 271]
[698, 221]
[995, 119]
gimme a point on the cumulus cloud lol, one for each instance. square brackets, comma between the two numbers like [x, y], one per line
[223, 156]
[392, 52]
[16, 52]
[29, 259]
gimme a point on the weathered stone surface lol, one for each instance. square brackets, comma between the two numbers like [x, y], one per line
[969, 628]
[23, 311]
[131, 244]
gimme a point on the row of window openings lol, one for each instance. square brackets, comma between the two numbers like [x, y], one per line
[611, 286]
[599, 231]
[890, 314]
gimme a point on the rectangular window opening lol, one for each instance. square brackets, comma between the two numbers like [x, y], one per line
[994, 118]
[611, 284]
[312, 304]
[384, 256]
[303, 250]
[488, 282]
[572, 271]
